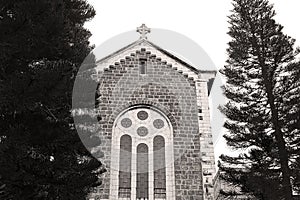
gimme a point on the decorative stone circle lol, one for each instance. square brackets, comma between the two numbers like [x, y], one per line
[158, 123]
[142, 115]
[142, 131]
[126, 122]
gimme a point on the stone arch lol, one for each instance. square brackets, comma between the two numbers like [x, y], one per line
[144, 129]
[144, 103]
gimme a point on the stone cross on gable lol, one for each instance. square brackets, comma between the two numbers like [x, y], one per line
[143, 30]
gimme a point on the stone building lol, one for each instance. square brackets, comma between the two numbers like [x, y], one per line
[154, 125]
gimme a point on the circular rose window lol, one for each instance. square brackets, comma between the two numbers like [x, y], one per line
[126, 122]
[158, 123]
[142, 131]
[142, 115]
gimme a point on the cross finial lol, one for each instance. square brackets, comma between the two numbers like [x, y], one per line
[143, 30]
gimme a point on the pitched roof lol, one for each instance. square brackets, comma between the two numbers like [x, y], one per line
[167, 53]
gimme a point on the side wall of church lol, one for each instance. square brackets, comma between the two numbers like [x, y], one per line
[122, 86]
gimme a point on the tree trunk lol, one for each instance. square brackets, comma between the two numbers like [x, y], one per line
[283, 154]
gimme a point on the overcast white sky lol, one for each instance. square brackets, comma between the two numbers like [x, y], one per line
[205, 22]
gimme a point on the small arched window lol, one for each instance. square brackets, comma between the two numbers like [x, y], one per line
[143, 66]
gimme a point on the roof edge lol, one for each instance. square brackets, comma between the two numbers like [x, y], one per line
[172, 56]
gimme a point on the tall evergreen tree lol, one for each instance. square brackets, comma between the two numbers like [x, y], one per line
[259, 99]
[289, 95]
[42, 44]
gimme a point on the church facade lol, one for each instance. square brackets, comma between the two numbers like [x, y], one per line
[154, 126]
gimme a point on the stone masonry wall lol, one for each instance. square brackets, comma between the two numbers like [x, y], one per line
[122, 86]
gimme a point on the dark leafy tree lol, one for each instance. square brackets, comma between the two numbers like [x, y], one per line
[260, 96]
[42, 44]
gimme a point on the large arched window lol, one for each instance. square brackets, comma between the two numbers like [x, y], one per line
[140, 169]
[159, 164]
[125, 167]
[142, 173]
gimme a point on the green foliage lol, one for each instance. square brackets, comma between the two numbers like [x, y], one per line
[261, 92]
[42, 44]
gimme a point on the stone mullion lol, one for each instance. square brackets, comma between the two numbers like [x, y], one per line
[133, 168]
[151, 171]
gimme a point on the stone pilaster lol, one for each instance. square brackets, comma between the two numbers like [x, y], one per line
[206, 142]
